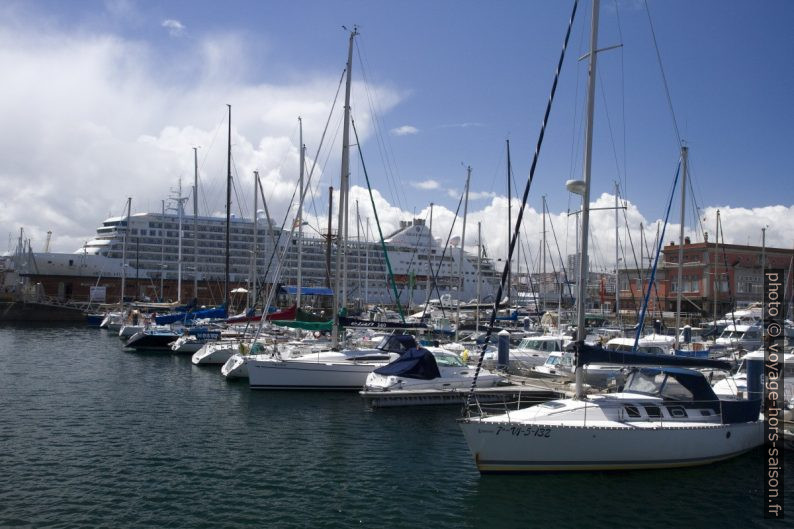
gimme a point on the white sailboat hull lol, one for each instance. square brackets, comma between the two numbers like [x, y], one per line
[537, 447]
[305, 374]
[215, 353]
[235, 367]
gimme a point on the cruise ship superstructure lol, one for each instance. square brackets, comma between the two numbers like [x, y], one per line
[152, 257]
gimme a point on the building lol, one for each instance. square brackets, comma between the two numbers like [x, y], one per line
[715, 276]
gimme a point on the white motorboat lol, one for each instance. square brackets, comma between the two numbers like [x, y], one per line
[326, 370]
[747, 337]
[736, 385]
[534, 350]
[427, 369]
[664, 417]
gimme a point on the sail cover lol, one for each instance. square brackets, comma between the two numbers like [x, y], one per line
[416, 363]
[589, 354]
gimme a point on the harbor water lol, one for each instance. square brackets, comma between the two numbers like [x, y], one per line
[92, 435]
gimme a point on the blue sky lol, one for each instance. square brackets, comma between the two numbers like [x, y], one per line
[461, 76]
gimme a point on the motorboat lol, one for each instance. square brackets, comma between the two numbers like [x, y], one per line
[736, 384]
[428, 369]
[746, 337]
[665, 416]
[533, 350]
[344, 370]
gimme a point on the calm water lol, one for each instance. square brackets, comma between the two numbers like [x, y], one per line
[93, 436]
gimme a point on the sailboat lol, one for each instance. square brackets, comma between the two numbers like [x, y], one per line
[338, 368]
[666, 416]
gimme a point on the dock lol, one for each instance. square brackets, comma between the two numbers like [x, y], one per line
[521, 391]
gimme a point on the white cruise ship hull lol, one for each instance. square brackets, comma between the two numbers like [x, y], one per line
[537, 447]
[309, 375]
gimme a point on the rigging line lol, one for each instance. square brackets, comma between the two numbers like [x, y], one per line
[235, 179]
[297, 184]
[641, 322]
[664, 77]
[622, 97]
[633, 251]
[322, 138]
[520, 216]
[609, 126]
[731, 300]
[657, 299]
[559, 254]
[575, 138]
[693, 198]
[377, 222]
[435, 273]
[629, 281]
[390, 164]
[204, 162]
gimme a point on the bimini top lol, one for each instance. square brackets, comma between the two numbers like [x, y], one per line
[398, 343]
[589, 354]
[416, 363]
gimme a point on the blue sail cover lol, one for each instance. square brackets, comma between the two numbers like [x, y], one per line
[415, 363]
[589, 354]
[212, 312]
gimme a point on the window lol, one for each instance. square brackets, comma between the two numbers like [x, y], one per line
[631, 411]
[672, 389]
[676, 412]
[654, 412]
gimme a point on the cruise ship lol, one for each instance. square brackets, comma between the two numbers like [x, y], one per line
[94, 272]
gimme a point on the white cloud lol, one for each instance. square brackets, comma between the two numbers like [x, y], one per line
[175, 28]
[90, 119]
[405, 130]
[479, 195]
[426, 184]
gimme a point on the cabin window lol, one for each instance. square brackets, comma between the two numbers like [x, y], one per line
[631, 411]
[654, 412]
[676, 412]
[706, 413]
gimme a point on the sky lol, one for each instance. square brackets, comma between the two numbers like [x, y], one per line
[104, 100]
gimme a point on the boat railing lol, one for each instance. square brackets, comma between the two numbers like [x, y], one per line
[595, 412]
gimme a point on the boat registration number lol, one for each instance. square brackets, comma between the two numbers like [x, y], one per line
[524, 431]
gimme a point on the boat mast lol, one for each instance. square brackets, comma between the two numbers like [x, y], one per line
[328, 241]
[587, 166]
[543, 256]
[179, 202]
[479, 261]
[366, 264]
[509, 228]
[430, 256]
[124, 253]
[340, 295]
[252, 274]
[617, 259]
[195, 223]
[462, 254]
[300, 213]
[228, 205]
[680, 289]
[716, 277]
[358, 250]
[162, 253]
